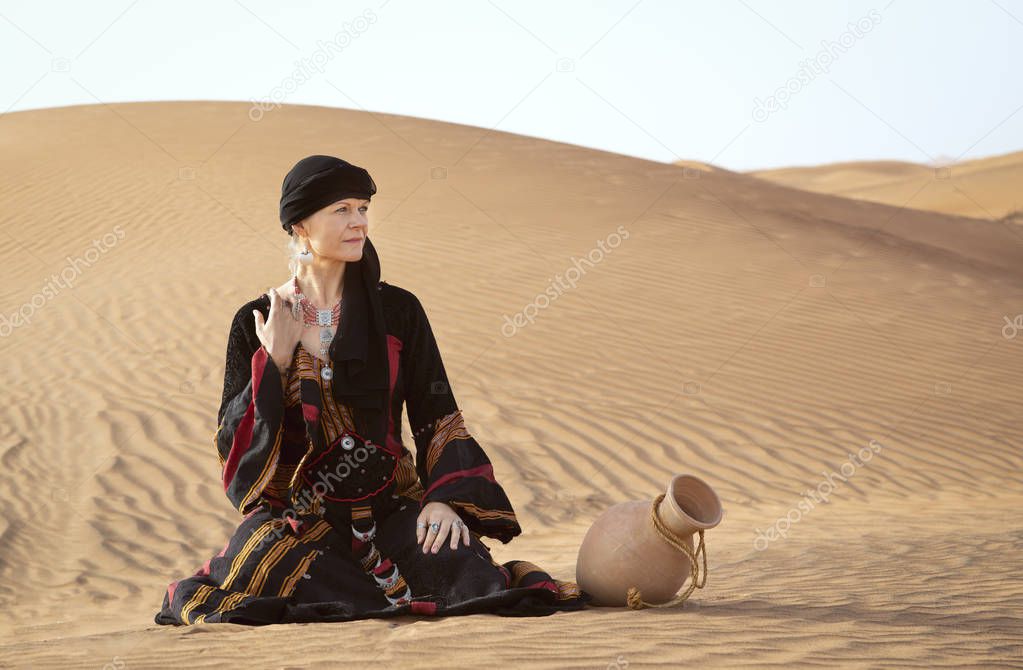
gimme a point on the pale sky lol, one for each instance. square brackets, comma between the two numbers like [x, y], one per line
[917, 80]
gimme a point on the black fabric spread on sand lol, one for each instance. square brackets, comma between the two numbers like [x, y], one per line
[329, 512]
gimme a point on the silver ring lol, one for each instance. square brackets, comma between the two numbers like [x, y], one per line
[420, 525]
[435, 526]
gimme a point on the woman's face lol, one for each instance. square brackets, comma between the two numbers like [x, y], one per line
[338, 231]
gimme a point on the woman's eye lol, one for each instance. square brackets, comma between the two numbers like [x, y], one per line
[340, 209]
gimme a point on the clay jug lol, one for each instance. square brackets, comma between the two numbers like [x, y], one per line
[625, 560]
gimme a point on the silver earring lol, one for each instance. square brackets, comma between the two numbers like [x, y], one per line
[305, 257]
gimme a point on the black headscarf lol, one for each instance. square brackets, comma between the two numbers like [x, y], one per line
[317, 181]
[358, 352]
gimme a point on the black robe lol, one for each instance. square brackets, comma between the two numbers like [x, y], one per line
[328, 538]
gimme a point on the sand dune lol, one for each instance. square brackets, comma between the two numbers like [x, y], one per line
[702, 166]
[985, 188]
[746, 332]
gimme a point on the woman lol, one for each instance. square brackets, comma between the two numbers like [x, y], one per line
[340, 521]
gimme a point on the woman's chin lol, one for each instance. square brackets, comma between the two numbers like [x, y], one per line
[349, 256]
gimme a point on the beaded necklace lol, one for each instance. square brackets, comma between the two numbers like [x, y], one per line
[326, 319]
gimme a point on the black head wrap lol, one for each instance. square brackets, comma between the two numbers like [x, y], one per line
[359, 348]
[317, 181]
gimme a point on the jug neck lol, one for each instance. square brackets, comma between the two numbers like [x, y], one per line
[689, 505]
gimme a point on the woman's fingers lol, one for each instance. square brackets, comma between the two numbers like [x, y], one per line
[259, 326]
[420, 529]
[276, 302]
[433, 539]
[281, 307]
[456, 535]
[429, 538]
[445, 527]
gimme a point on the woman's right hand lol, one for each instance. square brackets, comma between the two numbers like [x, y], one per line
[281, 331]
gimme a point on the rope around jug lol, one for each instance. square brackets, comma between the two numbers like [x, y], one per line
[697, 579]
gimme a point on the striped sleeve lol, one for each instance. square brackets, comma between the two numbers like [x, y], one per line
[451, 464]
[251, 420]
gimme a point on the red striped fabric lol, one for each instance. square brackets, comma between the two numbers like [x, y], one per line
[243, 434]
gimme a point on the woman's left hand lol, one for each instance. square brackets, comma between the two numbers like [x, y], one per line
[447, 519]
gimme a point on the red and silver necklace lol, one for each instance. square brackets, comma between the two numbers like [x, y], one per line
[326, 319]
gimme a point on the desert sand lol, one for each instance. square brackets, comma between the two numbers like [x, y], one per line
[983, 188]
[756, 335]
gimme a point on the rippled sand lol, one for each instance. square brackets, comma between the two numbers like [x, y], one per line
[743, 331]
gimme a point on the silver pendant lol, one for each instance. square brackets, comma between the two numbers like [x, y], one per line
[324, 317]
[326, 373]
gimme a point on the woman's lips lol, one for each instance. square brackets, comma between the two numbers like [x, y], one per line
[354, 239]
